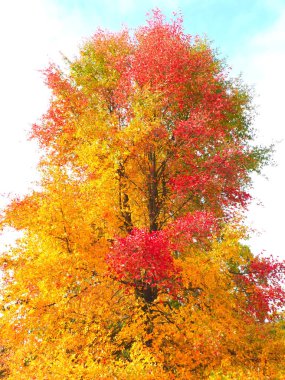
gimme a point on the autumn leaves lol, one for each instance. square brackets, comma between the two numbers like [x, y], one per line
[131, 264]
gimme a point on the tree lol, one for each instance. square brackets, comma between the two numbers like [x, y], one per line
[130, 265]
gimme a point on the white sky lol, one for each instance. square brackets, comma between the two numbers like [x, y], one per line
[32, 32]
[263, 63]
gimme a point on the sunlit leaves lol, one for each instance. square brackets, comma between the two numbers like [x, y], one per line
[130, 264]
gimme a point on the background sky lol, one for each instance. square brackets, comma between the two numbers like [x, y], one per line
[250, 34]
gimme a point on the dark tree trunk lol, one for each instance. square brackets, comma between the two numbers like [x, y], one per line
[125, 210]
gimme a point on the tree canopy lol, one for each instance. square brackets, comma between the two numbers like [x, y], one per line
[132, 262]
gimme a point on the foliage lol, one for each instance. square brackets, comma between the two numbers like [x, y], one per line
[130, 264]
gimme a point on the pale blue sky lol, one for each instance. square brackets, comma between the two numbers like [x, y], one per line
[227, 22]
[250, 34]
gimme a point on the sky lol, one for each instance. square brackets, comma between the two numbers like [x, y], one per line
[250, 35]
